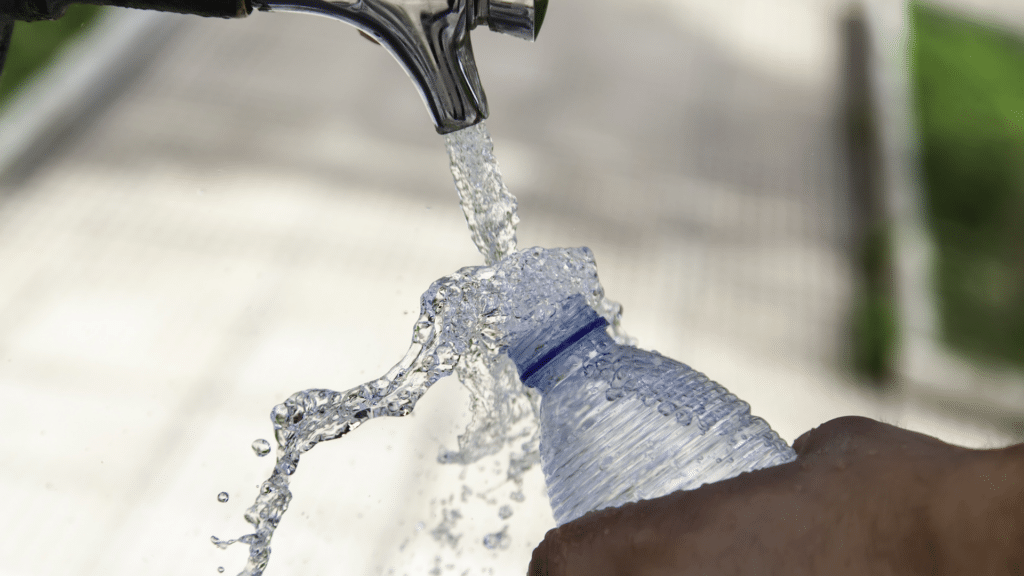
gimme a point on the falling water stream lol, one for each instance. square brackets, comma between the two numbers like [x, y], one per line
[464, 320]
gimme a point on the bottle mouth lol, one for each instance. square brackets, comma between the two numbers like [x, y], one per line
[595, 324]
[542, 342]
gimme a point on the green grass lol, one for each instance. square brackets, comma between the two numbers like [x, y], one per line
[36, 43]
[968, 83]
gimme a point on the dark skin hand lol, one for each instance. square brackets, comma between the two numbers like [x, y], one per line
[862, 498]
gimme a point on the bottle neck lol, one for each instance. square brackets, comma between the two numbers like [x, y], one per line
[541, 351]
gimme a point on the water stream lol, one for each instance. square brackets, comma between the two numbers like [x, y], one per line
[464, 320]
[491, 211]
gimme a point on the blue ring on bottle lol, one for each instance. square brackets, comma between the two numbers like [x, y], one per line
[594, 324]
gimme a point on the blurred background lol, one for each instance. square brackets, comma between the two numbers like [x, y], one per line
[816, 202]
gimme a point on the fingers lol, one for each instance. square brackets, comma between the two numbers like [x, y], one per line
[549, 558]
[854, 436]
[539, 560]
[836, 434]
[587, 546]
[849, 469]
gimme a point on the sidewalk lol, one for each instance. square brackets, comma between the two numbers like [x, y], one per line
[259, 211]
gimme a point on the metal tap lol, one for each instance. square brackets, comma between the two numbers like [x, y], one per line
[429, 38]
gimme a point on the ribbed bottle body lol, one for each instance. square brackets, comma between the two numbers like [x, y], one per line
[625, 424]
[620, 424]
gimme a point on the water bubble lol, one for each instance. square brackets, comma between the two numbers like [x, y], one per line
[505, 512]
[261, 447]
[684, 417]
[222, 497]
[614, 394]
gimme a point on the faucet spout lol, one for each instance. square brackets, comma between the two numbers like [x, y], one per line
[430, 39]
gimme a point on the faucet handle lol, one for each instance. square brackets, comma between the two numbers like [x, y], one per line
[519, 18]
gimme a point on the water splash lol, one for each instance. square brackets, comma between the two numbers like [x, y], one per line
[465, 319]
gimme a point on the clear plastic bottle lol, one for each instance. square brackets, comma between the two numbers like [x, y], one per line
[620, 424]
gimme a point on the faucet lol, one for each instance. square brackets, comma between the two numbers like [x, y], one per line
[429, 38]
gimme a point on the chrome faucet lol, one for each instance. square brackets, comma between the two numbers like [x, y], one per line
[430, 38]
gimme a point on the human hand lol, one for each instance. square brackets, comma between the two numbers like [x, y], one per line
[862, 498]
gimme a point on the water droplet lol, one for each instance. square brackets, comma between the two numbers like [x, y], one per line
[498, 540]
[220, 569]
[279, 414]
[666, 408]
[505, 512]
[261, 447]
[222, 497]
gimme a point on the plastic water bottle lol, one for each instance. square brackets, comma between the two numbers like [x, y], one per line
[620, 424]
